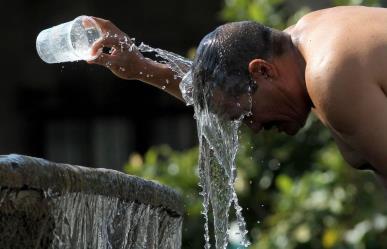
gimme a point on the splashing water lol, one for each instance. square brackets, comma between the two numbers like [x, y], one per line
[178, 64]
[218, 142]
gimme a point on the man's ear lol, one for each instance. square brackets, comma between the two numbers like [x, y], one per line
[259, 69]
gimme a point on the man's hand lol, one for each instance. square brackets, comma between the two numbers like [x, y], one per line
[124, 59]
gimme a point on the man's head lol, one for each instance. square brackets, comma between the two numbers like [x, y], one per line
[246, 65]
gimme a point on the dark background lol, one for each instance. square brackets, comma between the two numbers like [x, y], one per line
[82, 114]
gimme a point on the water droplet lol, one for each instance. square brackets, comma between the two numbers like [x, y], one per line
[140, 73]
[122, 69]
[163, 87]
[167, 81]
[274, 164]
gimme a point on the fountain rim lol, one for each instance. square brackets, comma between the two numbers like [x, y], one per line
[25, 172]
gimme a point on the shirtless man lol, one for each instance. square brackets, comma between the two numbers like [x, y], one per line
[332, 62]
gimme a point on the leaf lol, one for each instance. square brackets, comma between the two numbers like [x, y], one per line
[284, 183]
[330, 238]
[151, 157]
[256, 13]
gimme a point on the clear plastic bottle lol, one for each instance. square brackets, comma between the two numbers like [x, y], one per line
[70, 41]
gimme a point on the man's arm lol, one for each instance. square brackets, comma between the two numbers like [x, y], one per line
[368, 132]
[126, 62]
[349, 154]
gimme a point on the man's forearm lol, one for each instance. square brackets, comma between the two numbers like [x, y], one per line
[161, 76]
[127, 62]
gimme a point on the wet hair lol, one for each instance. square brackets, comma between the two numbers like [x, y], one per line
[223, 56]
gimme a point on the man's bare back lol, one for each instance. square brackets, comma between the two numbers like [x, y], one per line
[345, 50]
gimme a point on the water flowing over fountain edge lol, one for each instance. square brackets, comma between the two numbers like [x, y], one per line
[20, 172]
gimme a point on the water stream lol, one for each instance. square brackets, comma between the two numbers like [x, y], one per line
[218, 146]
[90, 221]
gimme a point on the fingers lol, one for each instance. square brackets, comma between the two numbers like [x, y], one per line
[112, 36]
[97, 46]
[105, 60]
[88, 22]
[108, 42]
[109, 31]
[105, 25]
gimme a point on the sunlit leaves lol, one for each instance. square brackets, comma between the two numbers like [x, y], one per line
[284, 183]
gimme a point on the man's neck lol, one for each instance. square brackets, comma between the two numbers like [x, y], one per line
[301, 66]
[297, 63]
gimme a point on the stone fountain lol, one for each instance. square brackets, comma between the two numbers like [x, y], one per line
[50, 205]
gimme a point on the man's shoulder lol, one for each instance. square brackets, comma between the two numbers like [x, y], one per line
[334, 85]
[329, 72]
[331, 35]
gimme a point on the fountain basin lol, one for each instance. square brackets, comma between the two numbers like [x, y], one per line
[52, 205]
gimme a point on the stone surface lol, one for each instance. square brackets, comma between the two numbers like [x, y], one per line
[49, 205]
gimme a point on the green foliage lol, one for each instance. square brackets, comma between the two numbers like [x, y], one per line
[356, 2]
[326, 208]
[269, 12]
[297, 192]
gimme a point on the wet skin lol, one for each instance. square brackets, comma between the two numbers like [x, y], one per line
[345, 79]
[255, 116]
[337, 74]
